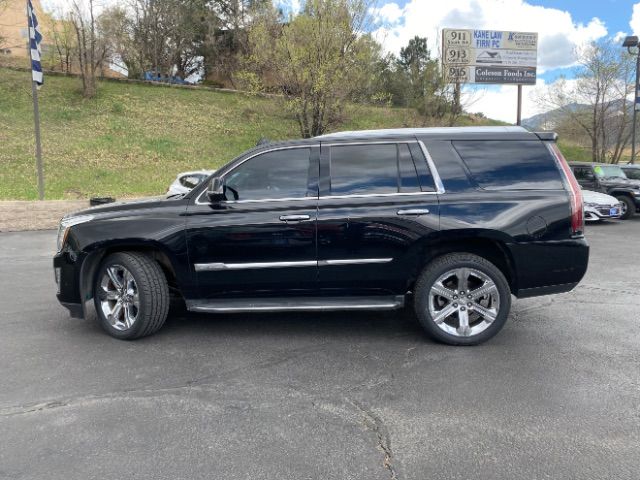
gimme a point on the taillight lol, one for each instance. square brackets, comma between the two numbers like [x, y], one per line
[577, 205]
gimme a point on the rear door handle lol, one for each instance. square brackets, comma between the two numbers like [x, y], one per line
[414, 211]
[294, 218]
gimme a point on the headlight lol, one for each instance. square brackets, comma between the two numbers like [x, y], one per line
[66, 223]
[591, 204]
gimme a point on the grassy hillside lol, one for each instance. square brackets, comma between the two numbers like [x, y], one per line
[134, 138]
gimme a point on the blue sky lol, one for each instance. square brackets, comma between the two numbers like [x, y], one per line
[562, 26]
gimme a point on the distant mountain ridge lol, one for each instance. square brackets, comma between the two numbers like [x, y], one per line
[549, 120]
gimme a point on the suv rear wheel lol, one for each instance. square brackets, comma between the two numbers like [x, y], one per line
[131, 295]
[462, 299]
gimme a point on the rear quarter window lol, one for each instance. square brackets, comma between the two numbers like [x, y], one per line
[510, 165]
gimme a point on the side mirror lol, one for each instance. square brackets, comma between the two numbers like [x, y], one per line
[215, 190]
[589, 176]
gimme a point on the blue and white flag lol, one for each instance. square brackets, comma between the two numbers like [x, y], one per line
[35, 37]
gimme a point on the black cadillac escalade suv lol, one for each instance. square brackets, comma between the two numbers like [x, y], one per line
[451, 220]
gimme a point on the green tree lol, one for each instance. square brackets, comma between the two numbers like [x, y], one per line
[594, 107]
[426, 90]
[320, 59]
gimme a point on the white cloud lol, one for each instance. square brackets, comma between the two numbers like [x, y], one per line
[619, 37]
[558, 33]
[388, 13]
[635, 19]
[500, 102]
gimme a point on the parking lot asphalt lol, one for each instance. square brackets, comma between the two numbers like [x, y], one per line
[323, 396]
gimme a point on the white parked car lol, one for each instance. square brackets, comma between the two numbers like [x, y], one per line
[599, 206]
[186, 181]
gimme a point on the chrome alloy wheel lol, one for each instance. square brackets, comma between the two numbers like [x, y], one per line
[464, 302]
[118, 295]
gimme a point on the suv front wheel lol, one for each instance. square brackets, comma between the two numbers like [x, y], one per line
[131, 295]
[462, 299]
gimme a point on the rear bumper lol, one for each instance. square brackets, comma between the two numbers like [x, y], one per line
[544, 268]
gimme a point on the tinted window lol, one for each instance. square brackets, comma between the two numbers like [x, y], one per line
[633, 173]
[422, 168]
[583, 174]
[277, 174]
[407, 170]
[510, 165]
[365, 169]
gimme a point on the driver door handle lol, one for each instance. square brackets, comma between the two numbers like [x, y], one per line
[294, 218]
[414, 211]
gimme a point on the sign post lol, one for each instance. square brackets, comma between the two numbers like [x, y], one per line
[490, 57]
[519, 116]
[636, 107]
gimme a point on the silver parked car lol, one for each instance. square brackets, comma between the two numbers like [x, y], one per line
[187, 181]
[600, 206]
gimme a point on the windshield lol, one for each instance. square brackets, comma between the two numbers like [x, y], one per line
[609, 171]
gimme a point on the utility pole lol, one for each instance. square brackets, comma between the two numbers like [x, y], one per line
[632, 43]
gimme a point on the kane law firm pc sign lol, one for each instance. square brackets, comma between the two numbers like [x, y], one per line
[489, 56]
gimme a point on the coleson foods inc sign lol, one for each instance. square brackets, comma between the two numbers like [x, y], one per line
[489, 56]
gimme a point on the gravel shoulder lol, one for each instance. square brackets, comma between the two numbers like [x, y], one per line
[21, 215]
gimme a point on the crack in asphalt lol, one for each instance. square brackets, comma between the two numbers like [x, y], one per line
[377, 426]
[200, 383]
[607, 290]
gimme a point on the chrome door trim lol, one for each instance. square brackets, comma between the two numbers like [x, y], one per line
[365, 142]
[369, 195]
[219, 266]
[432, 166]
[352, 261]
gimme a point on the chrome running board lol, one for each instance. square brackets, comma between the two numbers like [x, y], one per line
[295, 304]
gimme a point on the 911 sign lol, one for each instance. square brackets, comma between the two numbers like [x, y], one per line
[489, 56]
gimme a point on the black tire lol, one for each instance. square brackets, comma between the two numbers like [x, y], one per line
[152, 290]
[629, 206]
[440, 266]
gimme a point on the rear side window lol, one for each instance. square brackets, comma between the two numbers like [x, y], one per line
[510, 165]
[373, 169]
[632, 173]
[583, 173]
